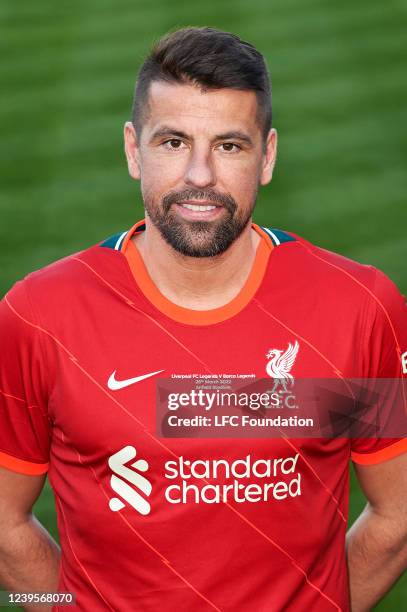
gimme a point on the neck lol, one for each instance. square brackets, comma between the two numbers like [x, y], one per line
[198, 283]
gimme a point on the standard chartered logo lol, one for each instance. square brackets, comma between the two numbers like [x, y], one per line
[124, 475]
[204, 481]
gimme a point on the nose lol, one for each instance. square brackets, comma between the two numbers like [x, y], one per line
[200, 171]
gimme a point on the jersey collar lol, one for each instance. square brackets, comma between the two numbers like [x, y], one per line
[186, 315]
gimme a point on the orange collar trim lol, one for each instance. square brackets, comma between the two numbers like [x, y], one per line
[186, 315]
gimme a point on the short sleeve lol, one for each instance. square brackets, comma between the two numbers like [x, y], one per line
[24, 423]
[385, 344]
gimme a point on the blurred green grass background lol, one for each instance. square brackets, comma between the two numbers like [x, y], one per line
[339, 101]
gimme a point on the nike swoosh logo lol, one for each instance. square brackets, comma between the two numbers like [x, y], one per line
[115, 385]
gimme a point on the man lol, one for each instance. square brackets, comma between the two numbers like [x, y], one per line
[195, 289]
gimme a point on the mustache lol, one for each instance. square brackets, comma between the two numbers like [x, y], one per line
[224, 199]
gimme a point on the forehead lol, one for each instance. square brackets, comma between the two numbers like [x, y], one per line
[195, 110]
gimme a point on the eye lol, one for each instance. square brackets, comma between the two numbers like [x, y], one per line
[174, 144]
[230, 147]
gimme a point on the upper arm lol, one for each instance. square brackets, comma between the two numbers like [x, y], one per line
[383, 354]
[381, 463]
[25, 425]
[18, 493]
[385, 487]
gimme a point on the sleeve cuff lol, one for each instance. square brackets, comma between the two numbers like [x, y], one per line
[382, 455]
[21, 466]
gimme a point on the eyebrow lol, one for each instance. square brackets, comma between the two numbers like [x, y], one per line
[232, 135]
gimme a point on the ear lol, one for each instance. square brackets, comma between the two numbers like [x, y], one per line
[131, 147]
[269, 158]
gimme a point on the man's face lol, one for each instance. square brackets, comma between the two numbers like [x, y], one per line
[200, 159]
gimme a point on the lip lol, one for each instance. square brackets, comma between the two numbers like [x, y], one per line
[198, 215]
[199, 203]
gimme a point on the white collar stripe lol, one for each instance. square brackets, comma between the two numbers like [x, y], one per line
[272, 236]
[118, 244]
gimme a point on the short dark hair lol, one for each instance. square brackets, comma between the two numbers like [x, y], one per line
[210, 59]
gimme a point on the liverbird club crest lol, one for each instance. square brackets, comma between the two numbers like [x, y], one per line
[280, 364]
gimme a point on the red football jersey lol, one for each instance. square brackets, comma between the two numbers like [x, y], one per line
[148, 522]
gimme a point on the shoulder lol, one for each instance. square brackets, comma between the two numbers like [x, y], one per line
[62, 281]
[347, 286]
[357, 301]
[327, 268]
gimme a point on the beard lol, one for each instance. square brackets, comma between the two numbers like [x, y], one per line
[199, 238]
